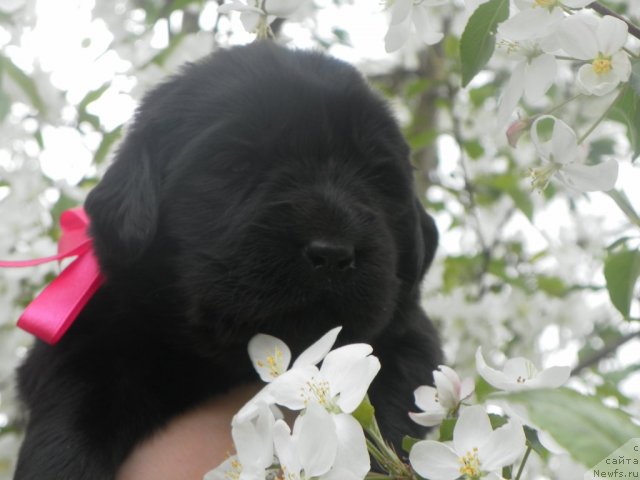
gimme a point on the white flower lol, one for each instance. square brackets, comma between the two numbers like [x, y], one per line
[253, 13]
[436, 403]
[250, 16]
[565, 161]
[520, 374]
[600, 42]
[477, 451]
[404, 14]
[536, 18]
[253, 439]
[532, 77]
[271, 356]
[339, 385]
[323, 445]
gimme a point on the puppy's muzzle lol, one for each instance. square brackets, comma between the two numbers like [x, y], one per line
[330, 256]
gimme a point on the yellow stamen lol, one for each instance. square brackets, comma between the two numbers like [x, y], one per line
[541, 176]
[602, 64]
[235, 472]
[470, 464]
[274, 363]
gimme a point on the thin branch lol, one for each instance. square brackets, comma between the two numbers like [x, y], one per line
[604, 352]
[602, 10]
[524, 461]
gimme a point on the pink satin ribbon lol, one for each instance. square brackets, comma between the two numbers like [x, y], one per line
[52, 312]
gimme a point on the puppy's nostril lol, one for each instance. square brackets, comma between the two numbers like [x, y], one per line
[324, 254]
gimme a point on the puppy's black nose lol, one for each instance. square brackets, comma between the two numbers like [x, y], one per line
[330, 255]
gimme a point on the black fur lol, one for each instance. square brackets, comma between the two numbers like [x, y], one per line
[203, 226]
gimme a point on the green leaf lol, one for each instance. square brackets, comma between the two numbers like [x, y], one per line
[621, 271]
[553, 286]
[479, 37]
[423, 139]
[417, 87]
[479, 95]
[483, 389]
[474, 149]
[92, 96]
[625, 205]
[581, 424]
[342, 36]
[408, 443]
[534, 442]
[451, 46]
[497, 421]
[626, 110]
[634, 80]
[365, 413]
[446, 429]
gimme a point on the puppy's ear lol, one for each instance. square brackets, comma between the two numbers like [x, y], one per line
[428, 238]
[123, 207]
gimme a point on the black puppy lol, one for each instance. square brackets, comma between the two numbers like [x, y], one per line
[260, 190]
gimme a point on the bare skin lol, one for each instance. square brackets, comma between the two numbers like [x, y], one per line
[190, 445]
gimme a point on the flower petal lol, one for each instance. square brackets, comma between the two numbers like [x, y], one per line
[541, 73]
[611, 35]
[564, 144]
[502, 447]
[493, 377]
[471, 430]
[434, 460]
[519, 367]
[250, 20]
[512, 93]
[282, 8]
[318, 350]
[253, 440]
[354, 385]
[316, 439]
[425, 398]
[430, 418]
[467, 387]
[447, 392]
[287, 389]
[527, 24]
[552, 377]
[576, 35]
[269, 355]
[621, 65]
[426, 28]
[597, 83]
[591, 178]
[285, 449]
[237, 6]
[352, 460]
[251, 409]
[400, 11]
[337, 363]
[397, 35]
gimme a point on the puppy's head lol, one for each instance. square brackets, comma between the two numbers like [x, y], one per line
[272, 191]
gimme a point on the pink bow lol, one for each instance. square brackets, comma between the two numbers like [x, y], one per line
[53, 311]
